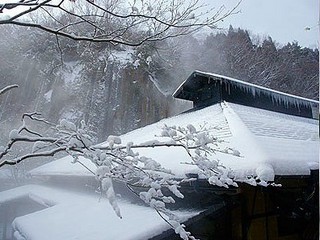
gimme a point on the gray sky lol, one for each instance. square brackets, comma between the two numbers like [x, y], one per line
[284, 20]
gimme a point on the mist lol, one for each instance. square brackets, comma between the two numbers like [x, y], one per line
[116, 90]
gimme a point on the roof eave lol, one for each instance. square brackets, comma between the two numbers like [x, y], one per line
[218, 77]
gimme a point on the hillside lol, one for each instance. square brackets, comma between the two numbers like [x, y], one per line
[116, 89]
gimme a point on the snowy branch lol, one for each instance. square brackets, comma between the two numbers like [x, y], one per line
[7, 88]
[124, 163]
[15, 161]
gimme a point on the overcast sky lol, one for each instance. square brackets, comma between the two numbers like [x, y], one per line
[284, 20]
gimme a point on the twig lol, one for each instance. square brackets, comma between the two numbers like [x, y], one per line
[7, 88]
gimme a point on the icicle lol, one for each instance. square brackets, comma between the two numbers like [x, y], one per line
[277, 98]
[253, 92]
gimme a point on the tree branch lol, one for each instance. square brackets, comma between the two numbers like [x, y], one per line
[15, 161]
[7, 88]
[169, 19]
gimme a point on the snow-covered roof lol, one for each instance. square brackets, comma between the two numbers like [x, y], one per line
[74, 215]
[270, 143]
[265, 139]
[65, 166]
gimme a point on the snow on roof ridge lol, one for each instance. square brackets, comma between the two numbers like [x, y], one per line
[240, 131]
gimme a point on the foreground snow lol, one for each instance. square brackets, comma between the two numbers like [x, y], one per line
[73, 215]
[266, 144]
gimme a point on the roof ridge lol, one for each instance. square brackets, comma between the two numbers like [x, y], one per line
[240, 131]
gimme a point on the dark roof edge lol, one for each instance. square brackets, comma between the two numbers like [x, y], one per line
[241, 83]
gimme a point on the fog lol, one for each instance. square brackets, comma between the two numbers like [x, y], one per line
[114, 96]
[285, 20]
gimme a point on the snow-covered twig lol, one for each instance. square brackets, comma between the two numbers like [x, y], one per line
[122, 163]
[17, 160]
[7, 88]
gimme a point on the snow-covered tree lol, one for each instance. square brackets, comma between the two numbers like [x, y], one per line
[42, 50]
[122, 162]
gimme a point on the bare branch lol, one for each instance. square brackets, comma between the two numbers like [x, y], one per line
[156, 21]
[7, 88]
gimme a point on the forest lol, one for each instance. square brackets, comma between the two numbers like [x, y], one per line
[116, 89]
[95, 70]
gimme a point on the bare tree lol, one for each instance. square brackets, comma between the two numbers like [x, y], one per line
[112, 21]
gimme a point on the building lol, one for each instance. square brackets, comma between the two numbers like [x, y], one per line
[277, 138]
[285, 129]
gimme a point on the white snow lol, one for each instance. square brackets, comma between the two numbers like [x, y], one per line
[276, 125]
[14, 134]
[267, 143]
[291, 143]
[81, 216]
[123, 57]
[4, 17]
[245, 142]
[47, 96]
[277, 143]
[65, 166]
[5, 173]
[72, 73]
